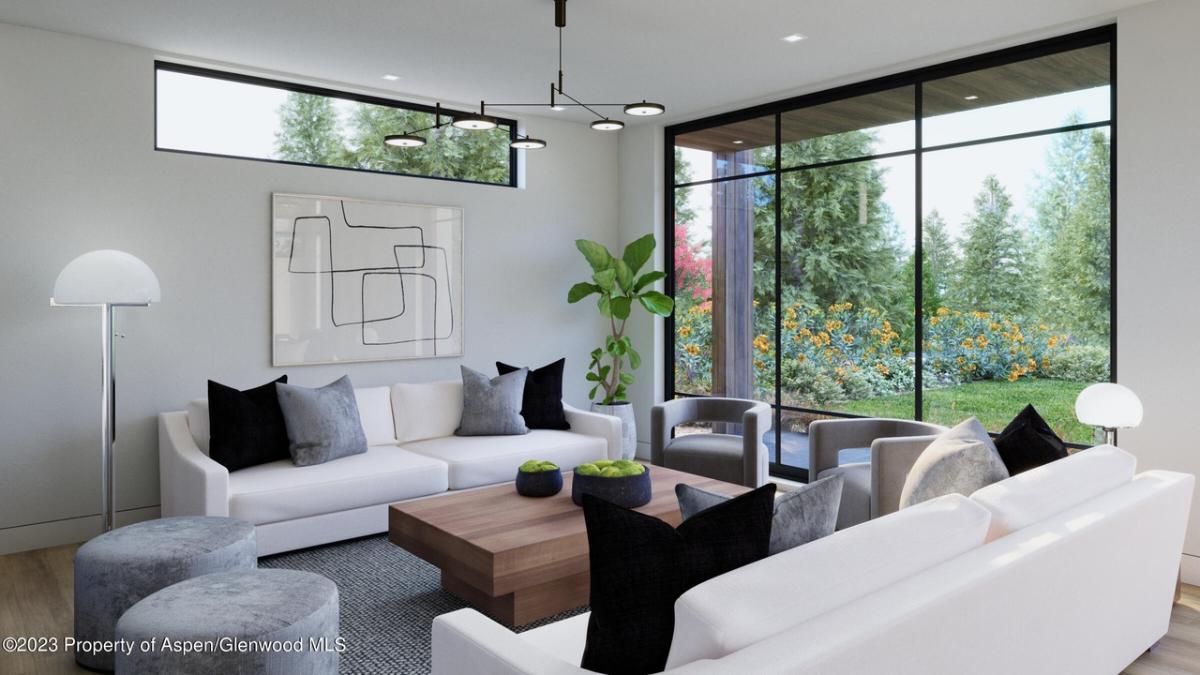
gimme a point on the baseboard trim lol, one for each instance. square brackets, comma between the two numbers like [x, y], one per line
[1189, 568]
[68, 531]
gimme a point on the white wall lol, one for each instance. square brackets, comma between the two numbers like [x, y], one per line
[1158, 241]
[1158, 238]
[640, 163]
[78, 172]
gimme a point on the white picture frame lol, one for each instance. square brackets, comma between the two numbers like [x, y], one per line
[358, 280]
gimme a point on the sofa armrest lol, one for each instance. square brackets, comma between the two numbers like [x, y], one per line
[191, 483]
[891, 460]
[466, 641]
[596, 424]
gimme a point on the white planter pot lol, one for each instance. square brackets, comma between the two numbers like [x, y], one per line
[624, 412]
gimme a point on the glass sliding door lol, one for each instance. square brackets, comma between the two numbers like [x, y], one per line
[933, 245]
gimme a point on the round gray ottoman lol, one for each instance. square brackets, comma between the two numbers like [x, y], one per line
[119, 568]
[253, 621]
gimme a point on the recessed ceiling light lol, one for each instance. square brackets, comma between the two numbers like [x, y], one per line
[794, 37]
[557, 108]
[738, 142]
[391, 78]
[972, 97]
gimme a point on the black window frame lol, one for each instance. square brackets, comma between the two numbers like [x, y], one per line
[915, 78]
[187, 69]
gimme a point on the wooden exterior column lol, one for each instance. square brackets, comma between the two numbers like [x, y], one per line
[733, 283]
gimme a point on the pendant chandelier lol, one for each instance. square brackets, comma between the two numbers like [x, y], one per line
[559, 100]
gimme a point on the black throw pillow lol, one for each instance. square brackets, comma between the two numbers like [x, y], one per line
[246, 428]
[1028, 442]
[541, 404]
[640, 566]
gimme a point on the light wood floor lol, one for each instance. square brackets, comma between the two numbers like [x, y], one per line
[36, 600]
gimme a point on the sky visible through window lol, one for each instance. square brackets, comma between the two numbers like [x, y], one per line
[952, 178]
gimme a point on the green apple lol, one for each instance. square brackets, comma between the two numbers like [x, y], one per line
[603, 463]
[587, 470]
[549, 466]
[610, 472]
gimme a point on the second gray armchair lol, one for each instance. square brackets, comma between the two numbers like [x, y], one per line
[733, 459]
[871, 489]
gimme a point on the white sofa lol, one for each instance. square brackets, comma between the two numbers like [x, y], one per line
[412, 452]
[1068, 568]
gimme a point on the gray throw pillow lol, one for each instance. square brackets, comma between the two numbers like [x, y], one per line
[492, 406]
[322, 423]
[961, 460]
[804, 514]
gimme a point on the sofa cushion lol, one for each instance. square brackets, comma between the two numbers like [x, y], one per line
[959, 461]
[197, 418]
[737, 609]
[322, 423]
[492, 405]
[269, 493]
[1037, 494]
[640, 565]
[427, 409]
[1028, 442]
[246, 427]
[375, 411]
[486, 460]
[541, 404]
[802, 514]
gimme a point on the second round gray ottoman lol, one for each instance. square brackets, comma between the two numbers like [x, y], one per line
[270, 621]
[118, 568]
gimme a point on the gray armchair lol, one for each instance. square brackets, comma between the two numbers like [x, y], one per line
[870, 489]
[733, 459]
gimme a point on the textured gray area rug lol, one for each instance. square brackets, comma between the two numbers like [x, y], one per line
[389, 600]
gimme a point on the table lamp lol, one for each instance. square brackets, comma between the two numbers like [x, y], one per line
[1109, 406]
[106, 279]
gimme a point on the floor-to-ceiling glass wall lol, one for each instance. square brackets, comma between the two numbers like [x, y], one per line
[932, 245]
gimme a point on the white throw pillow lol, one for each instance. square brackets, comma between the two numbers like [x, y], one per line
[959, 461]
[426, 410]
[1040, 493]
[375, 411]
[749, 604]
[197, 418]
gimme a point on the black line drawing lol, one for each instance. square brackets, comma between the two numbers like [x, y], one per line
[375, 319]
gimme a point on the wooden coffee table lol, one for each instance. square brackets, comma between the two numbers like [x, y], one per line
[519, 558]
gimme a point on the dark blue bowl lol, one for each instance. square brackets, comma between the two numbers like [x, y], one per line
[540, 483]
[628, 491]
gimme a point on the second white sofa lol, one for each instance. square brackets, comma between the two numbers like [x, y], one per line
[412, 453]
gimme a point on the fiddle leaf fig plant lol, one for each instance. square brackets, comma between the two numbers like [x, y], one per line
[617, 283]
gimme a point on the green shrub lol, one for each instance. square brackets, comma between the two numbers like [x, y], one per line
[1081, 363]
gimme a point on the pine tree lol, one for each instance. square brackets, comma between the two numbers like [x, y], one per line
[839, 239]
[1077, 276]
[940, 262]
[995, 274]
[308, 130]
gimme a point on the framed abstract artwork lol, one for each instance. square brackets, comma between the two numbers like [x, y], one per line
[355, 280]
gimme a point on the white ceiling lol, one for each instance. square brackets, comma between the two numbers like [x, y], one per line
[694, 56]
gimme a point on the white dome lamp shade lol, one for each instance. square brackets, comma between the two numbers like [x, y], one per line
[1109, 406]
[106, 279]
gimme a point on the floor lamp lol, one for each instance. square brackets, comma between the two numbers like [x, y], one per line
[106, 279]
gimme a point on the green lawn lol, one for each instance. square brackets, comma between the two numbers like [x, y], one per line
[994, 403]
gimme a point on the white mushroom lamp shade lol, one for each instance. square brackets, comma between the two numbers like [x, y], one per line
[106, 277]
[1109, 406]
